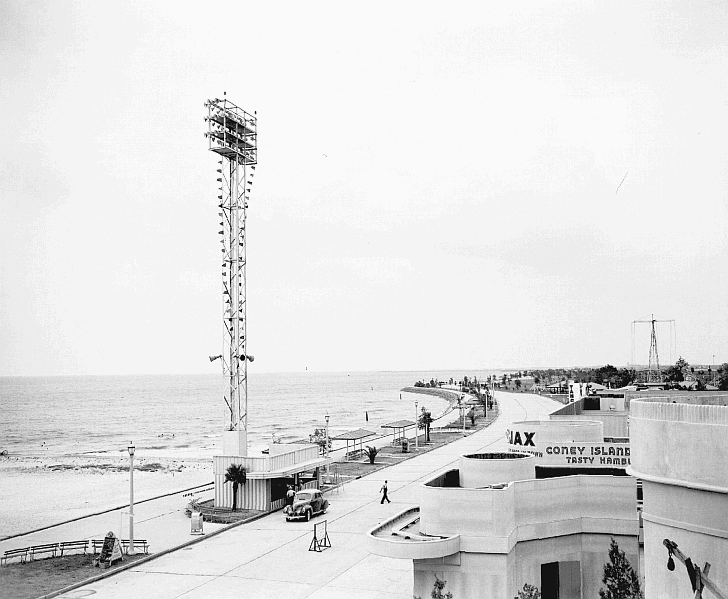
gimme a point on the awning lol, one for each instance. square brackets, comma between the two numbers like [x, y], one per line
[292, 469]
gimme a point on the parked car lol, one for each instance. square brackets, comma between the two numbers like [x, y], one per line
[306, 503]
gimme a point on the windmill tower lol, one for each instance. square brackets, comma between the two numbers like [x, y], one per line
[232, 135]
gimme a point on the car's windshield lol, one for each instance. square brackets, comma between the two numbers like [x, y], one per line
[304, 495]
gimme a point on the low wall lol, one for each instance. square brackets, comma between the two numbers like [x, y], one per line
[493, 520]
[480, 470]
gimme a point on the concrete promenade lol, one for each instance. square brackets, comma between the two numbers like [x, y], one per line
[269, 557]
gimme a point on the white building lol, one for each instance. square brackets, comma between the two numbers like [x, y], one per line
[490, 526]
[680, 451]
[269, 475]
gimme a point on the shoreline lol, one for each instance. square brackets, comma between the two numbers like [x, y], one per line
[78, 485]
[445, 438]
[35, 491]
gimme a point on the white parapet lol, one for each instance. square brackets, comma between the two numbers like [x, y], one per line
[483, 469]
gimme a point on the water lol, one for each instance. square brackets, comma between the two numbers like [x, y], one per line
[90, 414]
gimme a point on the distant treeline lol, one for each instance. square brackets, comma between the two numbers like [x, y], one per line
[676, 376]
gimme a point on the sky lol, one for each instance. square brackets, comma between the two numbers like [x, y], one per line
[460, 186]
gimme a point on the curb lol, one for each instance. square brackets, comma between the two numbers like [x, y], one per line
[153, 556]
[106, 511]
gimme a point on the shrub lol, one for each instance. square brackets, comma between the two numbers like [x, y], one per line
[619, 577]
[529, 592]
[319, 438]
[371, 453]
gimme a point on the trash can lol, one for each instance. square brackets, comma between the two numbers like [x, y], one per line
[196, 521]
[405, 445]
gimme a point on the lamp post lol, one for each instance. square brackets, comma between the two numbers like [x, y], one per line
[131, 498]
[327, 441]
[462, 411]
[417, 431]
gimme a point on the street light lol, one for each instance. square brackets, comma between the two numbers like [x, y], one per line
[132, 449]
[417, 432]
[327, 441]
[462, 411]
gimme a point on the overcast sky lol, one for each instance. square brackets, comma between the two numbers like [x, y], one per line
[437, 187]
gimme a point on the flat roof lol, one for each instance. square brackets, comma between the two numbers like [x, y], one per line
[359, 433]
[398, 424]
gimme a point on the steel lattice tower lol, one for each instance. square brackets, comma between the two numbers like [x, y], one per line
[654, 372]
[232, 134]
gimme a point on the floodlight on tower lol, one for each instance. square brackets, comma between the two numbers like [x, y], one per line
[232, 134]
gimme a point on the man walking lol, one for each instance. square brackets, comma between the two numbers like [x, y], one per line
[383, 491]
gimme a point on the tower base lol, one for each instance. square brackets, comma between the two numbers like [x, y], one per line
[235, 443]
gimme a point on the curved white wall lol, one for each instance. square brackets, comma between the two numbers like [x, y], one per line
[481, 470]
[680, 450]
[494, 520]
[680, 443]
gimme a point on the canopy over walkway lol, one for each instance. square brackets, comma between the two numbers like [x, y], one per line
[398, 427]
[355, 435]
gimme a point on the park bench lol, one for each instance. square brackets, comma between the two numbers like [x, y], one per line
[21, 552]
[97, 545]
[40, 549]
[72, 545]
[354, 455]
[138, 544]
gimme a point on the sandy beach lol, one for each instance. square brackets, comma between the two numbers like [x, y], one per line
[39, 491]
[40, 487]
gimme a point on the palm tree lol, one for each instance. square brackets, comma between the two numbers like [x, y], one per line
[238, 475]
[371, 453]
[424, 422]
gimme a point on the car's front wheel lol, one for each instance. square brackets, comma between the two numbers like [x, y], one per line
[308, 515]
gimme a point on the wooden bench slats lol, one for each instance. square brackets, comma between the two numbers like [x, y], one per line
[40, 549]
[70, 545]
[58, 548]
[138, 543]
[22, 553]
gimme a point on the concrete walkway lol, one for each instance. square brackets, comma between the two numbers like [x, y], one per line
[269, 557]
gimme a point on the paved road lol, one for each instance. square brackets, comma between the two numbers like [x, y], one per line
[269, 558]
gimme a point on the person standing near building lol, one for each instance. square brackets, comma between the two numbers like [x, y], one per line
[383, 491]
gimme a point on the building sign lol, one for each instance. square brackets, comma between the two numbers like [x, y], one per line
[520, 438]
[589, 455]
[597, 455]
